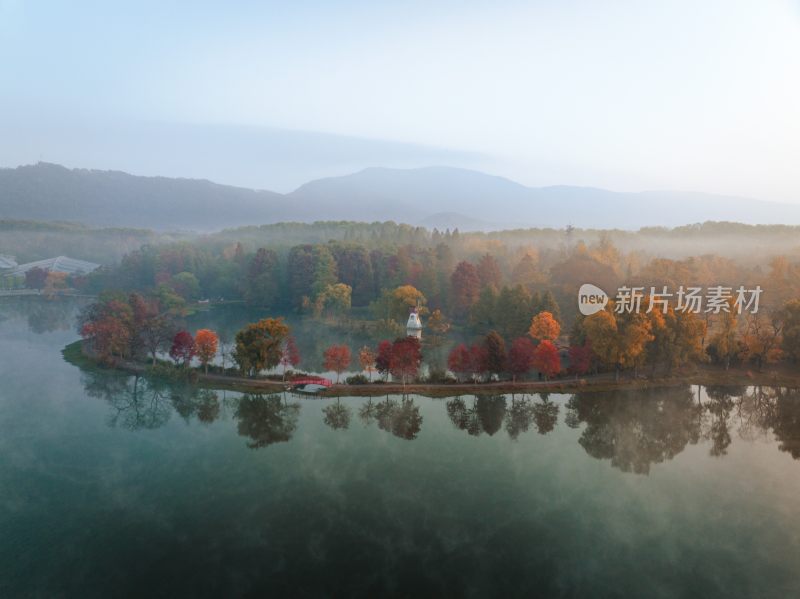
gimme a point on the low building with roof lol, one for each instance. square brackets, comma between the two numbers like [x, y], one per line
[62, 264]
[7, 262]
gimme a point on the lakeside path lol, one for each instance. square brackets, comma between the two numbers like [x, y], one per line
[704, 374]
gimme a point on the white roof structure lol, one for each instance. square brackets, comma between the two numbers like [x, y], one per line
[414, 321]
[69, 266]
[7, 262]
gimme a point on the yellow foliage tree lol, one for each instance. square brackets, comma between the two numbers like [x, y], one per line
[677, 338]
[602, 333]
[366, 357]
[724, 343]
[761, 341]
[619, 340]
[395, 305]
[333, 301]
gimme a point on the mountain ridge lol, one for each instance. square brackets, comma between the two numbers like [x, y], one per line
[425, 196]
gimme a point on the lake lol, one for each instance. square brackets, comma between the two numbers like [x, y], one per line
[114, 486]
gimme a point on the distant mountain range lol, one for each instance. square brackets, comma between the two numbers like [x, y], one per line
[441, 197]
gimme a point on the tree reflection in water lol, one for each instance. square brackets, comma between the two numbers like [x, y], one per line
[635, 429]
[337, 416]
[266, 419]
[638, 428]
[761, 409]
[632, 429]
[719, 407]
[401, 418]
[44, 314]
[191, 402]
[519, 416]
[146, 403]
[485, 414]
[545, 414]
[488, 413]
[137, 402]
[786, 422]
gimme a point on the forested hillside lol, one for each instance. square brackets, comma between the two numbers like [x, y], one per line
[49, 192]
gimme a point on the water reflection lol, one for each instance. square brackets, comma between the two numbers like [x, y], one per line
[545, 414]
[399, 417]
[190, 403]
[136, 402]
[43, 315]
[719, 409]
[786, 422]
[633, 430]
[489, 413]
[266, 419]
[636, 429]
[337, 416]
[639, 428]
[760, 409]
[519, 416]
[481, 414]
[146, 403]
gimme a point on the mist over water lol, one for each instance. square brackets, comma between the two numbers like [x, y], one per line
[110, 482]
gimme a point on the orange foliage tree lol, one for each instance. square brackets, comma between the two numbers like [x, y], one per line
[337, 359]
[544, 327]
[206, 343]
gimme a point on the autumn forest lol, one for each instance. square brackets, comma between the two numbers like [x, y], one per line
[494, 306]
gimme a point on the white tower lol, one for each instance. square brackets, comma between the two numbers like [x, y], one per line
[414, 325]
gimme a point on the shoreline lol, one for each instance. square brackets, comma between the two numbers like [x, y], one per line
[697, 374]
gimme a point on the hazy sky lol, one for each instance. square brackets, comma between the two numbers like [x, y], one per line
[629, 95]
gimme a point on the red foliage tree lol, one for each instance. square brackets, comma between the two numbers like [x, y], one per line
[337, 359]
[109, 336]
[183, 348]
[520, 357]
[466, 287]
[383, 358]
[459, 361]
[479, 361]
[546, 359]
[580, 359]
[406, 358]
[107, 326]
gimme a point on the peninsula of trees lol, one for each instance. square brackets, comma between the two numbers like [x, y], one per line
[495, 308]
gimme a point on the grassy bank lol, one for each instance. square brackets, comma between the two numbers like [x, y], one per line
[706, 375]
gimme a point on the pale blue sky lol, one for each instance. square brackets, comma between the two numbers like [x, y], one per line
[629, 95]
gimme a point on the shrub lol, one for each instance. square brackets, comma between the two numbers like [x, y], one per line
[357, 379]
[439, 377]
[170, 373]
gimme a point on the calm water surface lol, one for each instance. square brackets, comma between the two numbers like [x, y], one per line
[113, 486]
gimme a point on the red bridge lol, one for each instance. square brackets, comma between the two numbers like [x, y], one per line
[311, 380]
